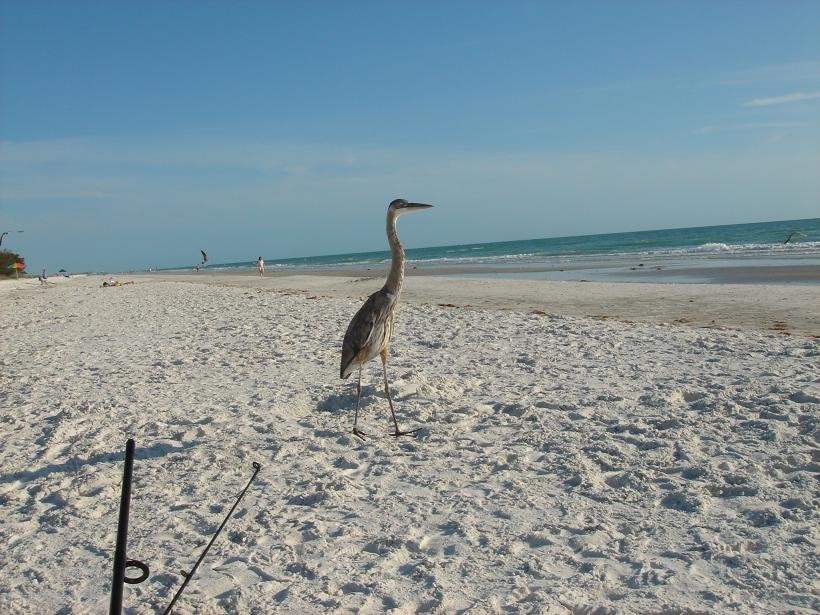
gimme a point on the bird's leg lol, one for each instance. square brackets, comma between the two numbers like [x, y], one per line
[390, 401]
[356, 431]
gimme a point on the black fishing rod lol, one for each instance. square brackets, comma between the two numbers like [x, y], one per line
[188, 575]
[120, 562]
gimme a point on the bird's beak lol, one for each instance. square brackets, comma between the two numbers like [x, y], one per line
[415, 206]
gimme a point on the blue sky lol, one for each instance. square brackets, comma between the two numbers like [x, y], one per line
[134, 134]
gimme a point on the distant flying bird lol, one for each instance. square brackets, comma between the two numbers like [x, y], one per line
[792, 234]
[370, 330]
[4, 234]
[204, 257]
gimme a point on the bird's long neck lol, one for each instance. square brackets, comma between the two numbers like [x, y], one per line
[395, 279]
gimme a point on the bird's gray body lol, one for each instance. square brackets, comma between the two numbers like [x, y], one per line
[368, 334]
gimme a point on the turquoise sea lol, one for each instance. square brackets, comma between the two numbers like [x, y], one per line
[758, 243]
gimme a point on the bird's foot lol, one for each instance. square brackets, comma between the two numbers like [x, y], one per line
[409, 432]
[359, 433]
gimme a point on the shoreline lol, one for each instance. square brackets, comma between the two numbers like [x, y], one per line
[781, 308]
[670, 271]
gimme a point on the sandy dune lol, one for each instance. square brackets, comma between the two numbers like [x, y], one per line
[565, 464]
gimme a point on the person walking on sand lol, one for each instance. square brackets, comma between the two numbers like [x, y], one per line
[260, 266]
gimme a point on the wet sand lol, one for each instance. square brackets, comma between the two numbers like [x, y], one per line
[784, 308]
[740, 274]
[773, 270]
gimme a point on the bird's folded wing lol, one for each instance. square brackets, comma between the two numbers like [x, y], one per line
[366, 330]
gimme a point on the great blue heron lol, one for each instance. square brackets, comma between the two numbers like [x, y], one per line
[370, 330]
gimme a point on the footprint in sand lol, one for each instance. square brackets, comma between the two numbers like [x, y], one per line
[350, 468]
[431, 545]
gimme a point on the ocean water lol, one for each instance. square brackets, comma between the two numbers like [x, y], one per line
[756, 243]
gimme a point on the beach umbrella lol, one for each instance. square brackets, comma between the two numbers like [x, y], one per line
[17, 267]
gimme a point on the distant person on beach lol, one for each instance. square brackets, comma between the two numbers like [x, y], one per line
[260, 266]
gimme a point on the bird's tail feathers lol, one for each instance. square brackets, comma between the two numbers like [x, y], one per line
[347, 369]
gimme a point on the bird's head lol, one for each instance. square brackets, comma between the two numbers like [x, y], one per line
[400, 207]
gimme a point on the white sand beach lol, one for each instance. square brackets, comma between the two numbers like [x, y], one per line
[584, 447]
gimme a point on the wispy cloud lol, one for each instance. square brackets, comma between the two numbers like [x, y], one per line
[93, 203]
[799, 72]
[287, 157]
[707, 130]
[782, 100]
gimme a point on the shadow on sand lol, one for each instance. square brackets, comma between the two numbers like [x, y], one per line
[74, 464]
